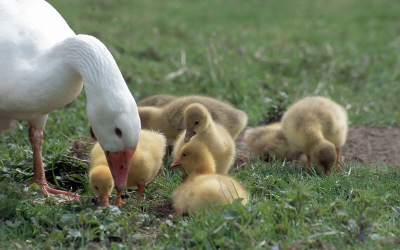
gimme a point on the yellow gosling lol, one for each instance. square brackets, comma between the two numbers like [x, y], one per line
[204, 187]
[201, 127]
[168, 119]
[270, 139]
[145, 165]
[101, 180]
[156, 101]
[318, 127]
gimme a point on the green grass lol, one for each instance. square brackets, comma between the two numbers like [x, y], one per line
[245, 51]
[259, 55]
[358, 208]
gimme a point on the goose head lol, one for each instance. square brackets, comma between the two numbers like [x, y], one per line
[116, 125]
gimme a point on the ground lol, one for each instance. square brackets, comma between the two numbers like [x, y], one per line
[373, 144]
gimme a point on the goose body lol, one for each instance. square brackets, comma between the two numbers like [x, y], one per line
[201, 127]
[44, 65]
[318, 127]
[204, 187]
[144, 167]
[270, 139]
[168, 118]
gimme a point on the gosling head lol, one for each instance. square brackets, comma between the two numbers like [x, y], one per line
[197, 119]
[195, 156]
[325, 156]
[102, 183]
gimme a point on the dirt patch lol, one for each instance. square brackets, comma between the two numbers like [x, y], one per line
[81, 146]
[378, 145]
[163, 208]
[373, 144]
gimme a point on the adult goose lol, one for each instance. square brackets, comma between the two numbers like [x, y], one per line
[44, 65]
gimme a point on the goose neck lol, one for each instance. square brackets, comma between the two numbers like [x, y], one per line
[91, 59]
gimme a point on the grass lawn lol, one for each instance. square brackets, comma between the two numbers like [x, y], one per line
[259, 55]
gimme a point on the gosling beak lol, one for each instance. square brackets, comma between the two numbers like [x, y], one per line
[119, 163]
[104, 200]
[189, 134]
[176, 164]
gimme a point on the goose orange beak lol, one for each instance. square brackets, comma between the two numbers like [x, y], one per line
[176, 164]
[119, 163]
[189, 134]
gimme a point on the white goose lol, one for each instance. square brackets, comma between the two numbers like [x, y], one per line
[43, 66]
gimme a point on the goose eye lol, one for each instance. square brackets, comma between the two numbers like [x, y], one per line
[118, 132]
[197, 122]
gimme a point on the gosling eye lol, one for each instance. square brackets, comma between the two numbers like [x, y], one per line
[110, 186]
[197, 122]
[184, 154]
[97, 188]
[118, 132]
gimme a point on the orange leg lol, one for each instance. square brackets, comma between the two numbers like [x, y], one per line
[309, 163]
[118, 200]
[140, 188]
[177, 212]
[339, 168]
[36, 140]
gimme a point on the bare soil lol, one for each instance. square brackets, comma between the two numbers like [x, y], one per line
[378, 145]
[163, 208]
